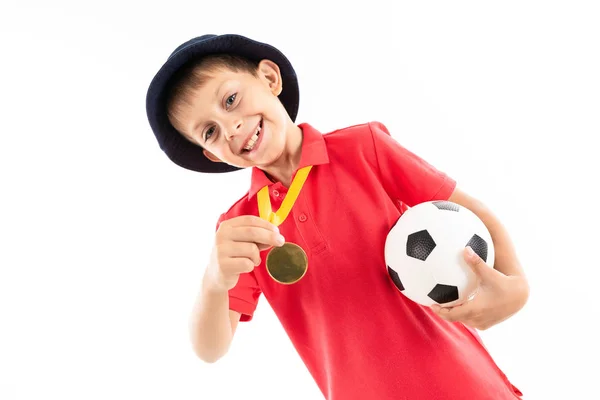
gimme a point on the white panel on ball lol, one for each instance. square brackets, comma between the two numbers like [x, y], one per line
[424, 252]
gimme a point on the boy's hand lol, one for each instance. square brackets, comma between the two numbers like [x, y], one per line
[498, 297]
[238, 243]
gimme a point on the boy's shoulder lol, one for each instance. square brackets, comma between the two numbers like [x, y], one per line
[358, 142]
[362, 130]
[358, 139]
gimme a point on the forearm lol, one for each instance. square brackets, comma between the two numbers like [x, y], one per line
[210, 325]
[506, 260]
[503, 290]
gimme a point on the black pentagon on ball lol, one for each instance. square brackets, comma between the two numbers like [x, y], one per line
[446, 205]
[479, 246]
[419, 245]
[443, 293]
[395, 278]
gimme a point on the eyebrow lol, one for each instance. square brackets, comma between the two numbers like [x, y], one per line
[195, 127]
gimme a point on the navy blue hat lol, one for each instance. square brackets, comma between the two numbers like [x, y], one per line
[176, 147]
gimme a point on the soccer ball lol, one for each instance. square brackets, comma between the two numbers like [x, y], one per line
[424, 252]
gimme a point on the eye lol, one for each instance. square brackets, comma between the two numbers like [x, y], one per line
[230, 100]
[209, 133]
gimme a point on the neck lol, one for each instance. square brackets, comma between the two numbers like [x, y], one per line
[283, 169]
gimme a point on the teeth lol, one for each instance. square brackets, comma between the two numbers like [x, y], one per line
[252, 140]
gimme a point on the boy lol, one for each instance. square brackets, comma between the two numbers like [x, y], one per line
[221, 103]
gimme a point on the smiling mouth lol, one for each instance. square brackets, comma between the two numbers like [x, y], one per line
[252, 141]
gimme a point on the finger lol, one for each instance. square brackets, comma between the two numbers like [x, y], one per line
[238, 265]
[462, 313]
[241, 249]
[245, 264]
[252, 220]
[263, 247]
[256, 235]
[479, 267]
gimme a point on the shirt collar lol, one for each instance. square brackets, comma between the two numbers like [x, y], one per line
[314, 152]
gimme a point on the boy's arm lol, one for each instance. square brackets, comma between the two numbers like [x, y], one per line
[503, 290]
[212, 324]
[235, 254]
[406, 177]
[506, 260]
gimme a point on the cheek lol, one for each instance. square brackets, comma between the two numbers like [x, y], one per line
[277, 115]
[276, 132]
[219, 149]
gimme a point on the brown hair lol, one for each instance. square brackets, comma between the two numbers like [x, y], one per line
[196, 74]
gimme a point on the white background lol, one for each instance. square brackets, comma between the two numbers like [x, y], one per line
[103, 240]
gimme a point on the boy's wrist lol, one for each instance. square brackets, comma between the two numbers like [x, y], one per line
[212, 287]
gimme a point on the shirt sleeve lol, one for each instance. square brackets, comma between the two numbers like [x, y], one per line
[243, 298]
[405, 176]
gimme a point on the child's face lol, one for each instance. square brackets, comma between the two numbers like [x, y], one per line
[237, 118]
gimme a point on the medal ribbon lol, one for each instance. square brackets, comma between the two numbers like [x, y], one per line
[264, 202]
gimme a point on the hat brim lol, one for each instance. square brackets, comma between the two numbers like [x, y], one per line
[176, 147]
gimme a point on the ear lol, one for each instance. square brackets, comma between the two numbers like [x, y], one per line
[211, 156]
[269, 72]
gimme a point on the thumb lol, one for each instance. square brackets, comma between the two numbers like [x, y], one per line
[263, 247]
[479, 267]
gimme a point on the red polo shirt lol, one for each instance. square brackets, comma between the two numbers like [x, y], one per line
[358, 335]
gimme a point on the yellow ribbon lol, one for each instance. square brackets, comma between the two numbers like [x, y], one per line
[264, 202]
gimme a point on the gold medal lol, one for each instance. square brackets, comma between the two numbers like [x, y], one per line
[286, 264]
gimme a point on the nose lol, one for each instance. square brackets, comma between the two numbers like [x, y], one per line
[235, 129]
